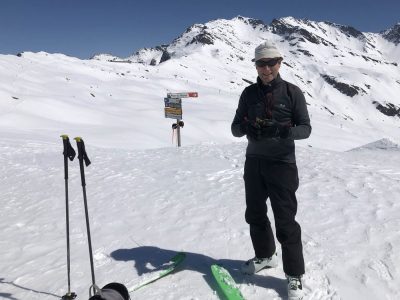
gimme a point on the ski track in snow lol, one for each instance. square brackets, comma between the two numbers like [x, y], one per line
[146, 205]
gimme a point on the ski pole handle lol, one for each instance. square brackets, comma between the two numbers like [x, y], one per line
[68, 152]
[68, 149]
[82, 151]
[82, 156]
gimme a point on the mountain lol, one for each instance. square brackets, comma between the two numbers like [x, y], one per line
[321, 42]
[392, 34]
[351, 81]
[234, 32]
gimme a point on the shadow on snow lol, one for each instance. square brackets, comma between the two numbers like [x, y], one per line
[10, 297]
[143, 256]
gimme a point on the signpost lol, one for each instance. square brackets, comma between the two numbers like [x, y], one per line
[183, 95]
[173, 109]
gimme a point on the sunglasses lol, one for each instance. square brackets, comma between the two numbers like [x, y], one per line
[269, 63]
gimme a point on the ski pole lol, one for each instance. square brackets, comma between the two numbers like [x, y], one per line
[82, 156]
[68, 152]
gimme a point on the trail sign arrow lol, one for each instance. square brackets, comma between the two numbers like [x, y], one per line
[183, 95]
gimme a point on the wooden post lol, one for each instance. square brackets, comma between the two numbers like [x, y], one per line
[178, 133]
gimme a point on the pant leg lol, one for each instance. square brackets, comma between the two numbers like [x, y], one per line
[261, 233]
[288, 231]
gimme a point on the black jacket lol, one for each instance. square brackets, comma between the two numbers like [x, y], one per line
[288, 107]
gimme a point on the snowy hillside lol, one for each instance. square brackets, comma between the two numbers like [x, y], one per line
[146, 205]
[351, 81]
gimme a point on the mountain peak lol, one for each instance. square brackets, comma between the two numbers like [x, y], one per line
[249, 21]
[291, 25]
[347, 30]
[299, 22]
[392, 34]
[301, 29]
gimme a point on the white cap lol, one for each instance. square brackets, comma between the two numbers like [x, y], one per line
[266, 50]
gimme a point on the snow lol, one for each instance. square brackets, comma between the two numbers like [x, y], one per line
[149, 199]
[146, 205]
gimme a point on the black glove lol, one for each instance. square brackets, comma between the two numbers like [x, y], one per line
[269, 128]
[252, 129]
[272, 129]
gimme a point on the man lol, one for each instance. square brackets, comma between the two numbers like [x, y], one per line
[272, 113]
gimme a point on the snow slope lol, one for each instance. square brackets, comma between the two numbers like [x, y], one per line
[145, 205]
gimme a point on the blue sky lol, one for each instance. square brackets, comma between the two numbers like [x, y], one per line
[83, 28]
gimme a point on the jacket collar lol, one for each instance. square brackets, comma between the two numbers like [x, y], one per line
[271, 84]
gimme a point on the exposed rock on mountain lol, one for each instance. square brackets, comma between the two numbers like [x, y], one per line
[305, 52]
[153, 62]
[388, 109]
[348, 30]
[393, 34]
[290, 32]
[204, 38]
[253, 22]
[344, 88]
[165, 56]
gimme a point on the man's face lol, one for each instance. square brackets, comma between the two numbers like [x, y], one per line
[268, 69]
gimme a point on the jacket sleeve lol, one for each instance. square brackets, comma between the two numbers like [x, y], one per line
[301, 128]
[241, 113]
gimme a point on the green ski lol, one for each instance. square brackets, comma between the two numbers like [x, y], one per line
[226, 283]
[160, 272]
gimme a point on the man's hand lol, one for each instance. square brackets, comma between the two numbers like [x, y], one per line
[272, 129]
[252, 129]
[265, 129]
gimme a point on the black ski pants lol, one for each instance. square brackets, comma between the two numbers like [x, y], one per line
[277, 181]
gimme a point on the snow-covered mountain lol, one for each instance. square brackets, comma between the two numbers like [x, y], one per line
[346, 59]
[393, 34]
[351, 81]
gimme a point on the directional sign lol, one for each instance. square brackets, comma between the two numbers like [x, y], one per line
[172, 102]
[172, 110]
[173, 113]
[174, 105]
[183, 95]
